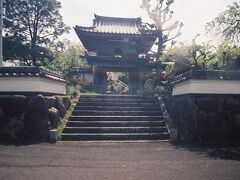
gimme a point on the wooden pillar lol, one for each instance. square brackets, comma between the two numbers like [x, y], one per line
[94, 71]
[134, 82]
[99, 80]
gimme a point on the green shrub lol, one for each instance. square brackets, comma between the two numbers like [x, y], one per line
[74, 91]
[162, 91]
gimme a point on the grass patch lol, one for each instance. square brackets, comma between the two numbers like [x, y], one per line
[50, 97]
[89, 93]
[63, 123]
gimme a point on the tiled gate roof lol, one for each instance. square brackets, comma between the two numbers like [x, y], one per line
[114, 25]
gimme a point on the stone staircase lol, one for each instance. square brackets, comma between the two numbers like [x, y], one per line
[116, 118]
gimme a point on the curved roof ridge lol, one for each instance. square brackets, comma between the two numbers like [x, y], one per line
[86, 27]
[138, 19]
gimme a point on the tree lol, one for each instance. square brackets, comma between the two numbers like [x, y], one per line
[71, 55]
[227, 57]
[194, 56]
[35, 23]
[227, 24]
[180, 58]
[68, 58]
[161, 15]
[15, 49]
[200, 55]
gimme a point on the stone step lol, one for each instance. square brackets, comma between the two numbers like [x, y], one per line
[114, 129]
[126, 104]
[115, 123]
[114, 136]
[117, 108]
[115, 100]
[116, 97]
[116, 113]
[116, 118]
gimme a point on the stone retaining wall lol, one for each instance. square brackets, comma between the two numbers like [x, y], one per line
[205, 116]
[31, 118]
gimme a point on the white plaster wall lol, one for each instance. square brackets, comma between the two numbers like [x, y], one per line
[51, 86]
[31, 84]
[207, 87]
[88, 77]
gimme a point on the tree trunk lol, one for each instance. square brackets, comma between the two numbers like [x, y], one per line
[160, 46]
[33, 53]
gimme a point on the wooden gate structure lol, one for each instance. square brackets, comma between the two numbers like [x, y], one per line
[117, 45]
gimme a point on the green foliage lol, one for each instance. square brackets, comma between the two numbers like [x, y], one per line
[201, 55]
[70, 56]
[117, 83]
[64, 69]
[162, 91]
[195, 56]
[74, 91]
[227, 24]
[65, 60]
[117, 87]
[63, 123]
[125, 90]
[33, 23]
[204, 56]
[124, 77]
[180, 58]
[227, 58]
[14, 49]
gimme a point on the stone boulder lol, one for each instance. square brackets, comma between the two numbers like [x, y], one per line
[60, 106]
[67, 102]
[13, 106]
[54, 117]
[13, 131]
[37, 123]
[50, 101]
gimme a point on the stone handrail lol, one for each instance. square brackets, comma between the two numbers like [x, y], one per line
[167, 119]
[164, 112]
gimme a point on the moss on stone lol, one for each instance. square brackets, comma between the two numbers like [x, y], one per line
[63, 123]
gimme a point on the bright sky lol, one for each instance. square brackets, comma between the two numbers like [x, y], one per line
[193, 13]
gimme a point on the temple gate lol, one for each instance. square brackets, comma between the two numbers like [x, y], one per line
[117, 45]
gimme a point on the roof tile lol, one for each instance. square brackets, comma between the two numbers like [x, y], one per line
[102, 24]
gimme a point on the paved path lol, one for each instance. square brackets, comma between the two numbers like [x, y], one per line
[103, 161]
